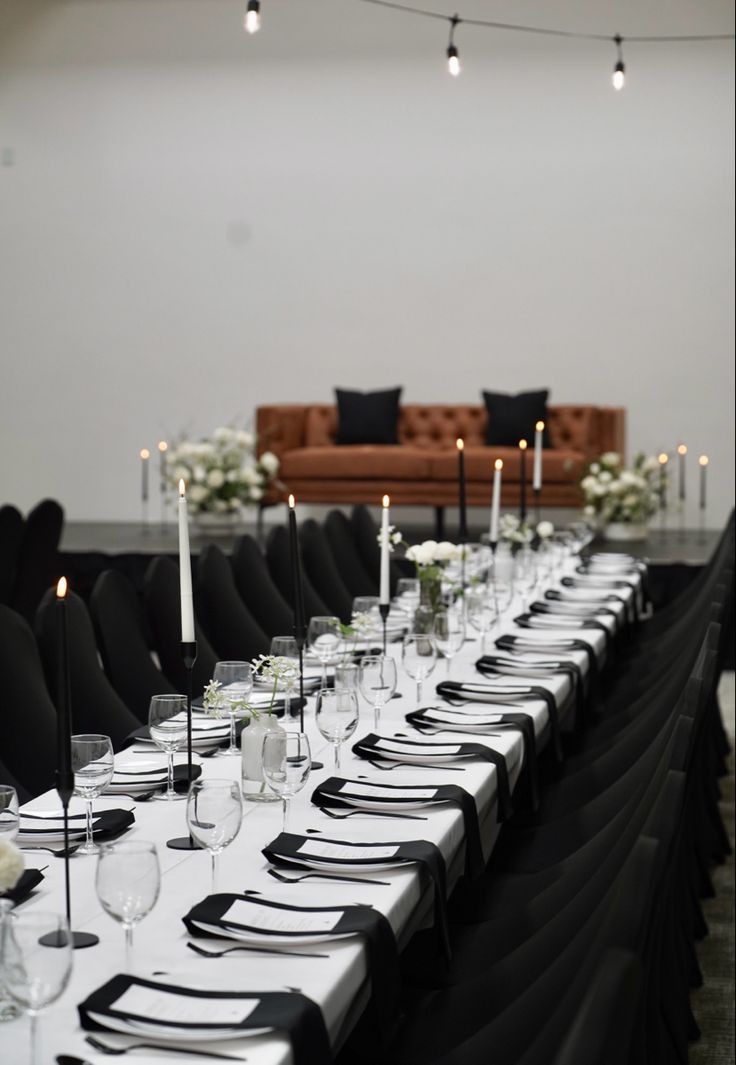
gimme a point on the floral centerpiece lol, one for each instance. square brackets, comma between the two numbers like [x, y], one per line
[429, 558]
[223, 473]
[622, 500]
[517, 533]
[11, 865]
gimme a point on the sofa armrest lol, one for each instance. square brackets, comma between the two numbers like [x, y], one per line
[280, 427]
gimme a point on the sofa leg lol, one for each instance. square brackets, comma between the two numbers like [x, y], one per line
[439, 523]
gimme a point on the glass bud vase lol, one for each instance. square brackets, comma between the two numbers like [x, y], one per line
[8, 1009]
[254, 786]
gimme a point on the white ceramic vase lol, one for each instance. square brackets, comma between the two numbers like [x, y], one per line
[254, 786]
[625, 531]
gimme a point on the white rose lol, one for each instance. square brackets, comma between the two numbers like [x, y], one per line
[250, 475]
[231, 476]
[595, 467]
[651, 465]
[269, 462]
[611, 458]
[256, 493]
[600, 490]
[180, 473]
[244, 438]
[588, 483]
[605, 477]
[11, 865]
[446, 552]
[234, 504]
[589, 511]
[199, 473]
[220, 506]
[198, 493]
[545, 529]
[223, 435]
[215, 478]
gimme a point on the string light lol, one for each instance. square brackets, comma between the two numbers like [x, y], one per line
[252, 20]
[619, 71]
[453, 57]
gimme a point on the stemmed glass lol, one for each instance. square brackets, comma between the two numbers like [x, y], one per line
[347, 675]
[9, 816]
[377, 682]
[128, 882]
[408, 594]
[35, 975]
[482, 613]
[525, 574]
[323, 637]
[502, 591]
[214, 815]
[419, 657]
[367, 606]
[448, 630]
[167, 723]
[93, 764]
[287, 648]
[236, 682]
[337, 717]
[287, 761]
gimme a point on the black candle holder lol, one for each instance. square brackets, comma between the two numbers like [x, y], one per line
[300, 641]
[79, 940]
[383, 609]
[189, 657]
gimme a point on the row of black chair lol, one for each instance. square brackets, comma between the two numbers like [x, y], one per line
[29, 554]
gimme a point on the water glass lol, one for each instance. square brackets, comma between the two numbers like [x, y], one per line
[337, 717]
[525, 574]
[287, 649]
[408, 593]
[93, 764]
[482, 613]
[35, 975]
[287, 761]
[347, 675]
[502, 592]
[367, 606]
[128, 882]
[167, 723]
[377, 682]
[214, 815]
[323, 637]
[9, 816]
[448, 630]
[419, 656]
[236, 684]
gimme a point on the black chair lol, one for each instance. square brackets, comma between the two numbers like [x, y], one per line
[347, 557]
[257, 589]
[6, 777]
[120, 629]
[279, 563]
[319, 565]
[96, 707]
[38, 559]
[28, 714]
[229, 625]
[11, 536]
[162, 605]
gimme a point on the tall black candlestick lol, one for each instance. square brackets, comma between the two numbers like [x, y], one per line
[522, 506]
[300, 621]
[189, 657]
[462, 501]
[682, 452]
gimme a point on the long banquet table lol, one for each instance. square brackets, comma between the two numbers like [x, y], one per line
[340, 983]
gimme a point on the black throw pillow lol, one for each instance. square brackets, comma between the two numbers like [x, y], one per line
[513, 418]
[367, 417]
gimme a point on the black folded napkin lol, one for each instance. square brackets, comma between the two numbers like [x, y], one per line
[291, 1014]
[109, 824]
[329, 794]
[286, 851]
[489, 665]
[181, 777]
[356, 919]
[526, 621]
[30, 879]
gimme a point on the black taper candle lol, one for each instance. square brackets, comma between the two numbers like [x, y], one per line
[462, 495]
[300, 621]
[522, 504]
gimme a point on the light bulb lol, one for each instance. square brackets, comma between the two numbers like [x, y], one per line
[453, 61]
[252, 21]
[619, 76]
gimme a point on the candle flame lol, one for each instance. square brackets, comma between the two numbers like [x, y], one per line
[460, 443]
[703, 460]
[498, 464]
[163, 446]
[145, 453]
[523, 445]
[182, 488]
[539, 427]
[663, 458]
[61, 588]
[682, 449]
[292, 502]
[386, 502]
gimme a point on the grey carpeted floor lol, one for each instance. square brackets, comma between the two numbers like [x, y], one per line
[713, 1004]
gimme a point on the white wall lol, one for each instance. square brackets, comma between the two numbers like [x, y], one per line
[195, 222]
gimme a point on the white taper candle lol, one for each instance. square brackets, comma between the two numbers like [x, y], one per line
[185, 570]
[495, 501]
[384, 592]
[537, 473]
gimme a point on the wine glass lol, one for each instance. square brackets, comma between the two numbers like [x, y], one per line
[347, 675]
[525, 574]
[482, 613]
[449, 634]
[128, 882]
[377, 682]
[214, 815]
[286, 648]
[287, 761]
[9, 816]
[367, 606]
[502, 591]
[236, 681]
[419, 656]
[408, 594]
[35, 975]
[167, 723]
[93, 764]
[323, 637]
[337, 717]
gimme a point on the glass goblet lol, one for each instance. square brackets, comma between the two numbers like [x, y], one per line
[35, 975]
[287, 649]
[419, 656]
[337, 717]
[525, 574]
[323, 637]
[408, 593]
[93, 764]
[482, 614]
[449, 634]
[9, 816]
[287, 761]
[167, 723]
[377, 682]
[236, 683]
[128, 882]
[214, 815]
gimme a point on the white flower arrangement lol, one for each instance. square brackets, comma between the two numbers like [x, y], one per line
[394, 537]
[512, 530]
[612, 493]
[11, 865]
[222, 474]
[214, 702]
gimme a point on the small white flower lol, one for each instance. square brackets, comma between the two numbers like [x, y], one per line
[199, 473]
[606, 477]
[447, 552]
[198, 493]
[215, 478]
[610, 458]
[545, 529]
[11, 865]
[181, 473]
[595, 467]
[256, 493]
[269, 462]
[244, 438]
[589, 511]
[223, 435]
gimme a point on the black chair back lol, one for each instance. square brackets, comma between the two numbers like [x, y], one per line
[229, 625]
[279, 563]
[11, 536]
[340, 537]
[319, 564]
[38, 559]
[258, 590]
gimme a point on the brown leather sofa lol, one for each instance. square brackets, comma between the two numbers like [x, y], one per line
[422, 469]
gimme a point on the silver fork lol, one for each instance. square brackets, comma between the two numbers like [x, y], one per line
[370, 813]
[105, 1048]
[324, 876]
[251, 950]
[413, 765]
